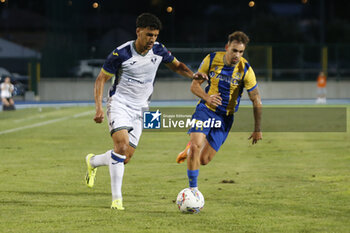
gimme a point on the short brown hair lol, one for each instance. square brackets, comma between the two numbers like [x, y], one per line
[239, 36]
[148, 20]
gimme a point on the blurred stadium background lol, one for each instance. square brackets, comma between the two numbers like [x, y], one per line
[55, 48]
[296, 180]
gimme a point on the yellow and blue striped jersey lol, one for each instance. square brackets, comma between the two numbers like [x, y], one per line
[226, 80]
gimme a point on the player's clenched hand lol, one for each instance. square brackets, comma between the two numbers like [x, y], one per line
[99, 116]
[256, 136]
[199, 75]
[214, 100]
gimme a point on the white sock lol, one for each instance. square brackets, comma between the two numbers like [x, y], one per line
[116, 170]
[101, 160]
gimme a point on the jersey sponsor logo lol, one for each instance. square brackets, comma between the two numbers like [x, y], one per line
[151, 120]
[229, 79]
[135, 80]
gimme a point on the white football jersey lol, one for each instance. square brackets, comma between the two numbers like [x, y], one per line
[6, 90]
[135, 73]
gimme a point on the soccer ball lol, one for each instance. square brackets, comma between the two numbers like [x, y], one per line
[190, 201]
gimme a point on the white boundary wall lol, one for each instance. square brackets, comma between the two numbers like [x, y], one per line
[82, 89]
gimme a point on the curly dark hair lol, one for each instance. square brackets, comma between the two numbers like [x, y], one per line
[239, 36]
[148, 20]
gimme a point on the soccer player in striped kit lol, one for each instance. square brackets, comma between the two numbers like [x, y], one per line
[229, 73]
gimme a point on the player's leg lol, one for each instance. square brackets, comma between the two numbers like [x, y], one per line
[202, 113]
[215, 139]
[323, 97]
[134, 137]
[11, 102]
[93, 162]
[207, 153]
[181, 157]
[121, 141]
[193, 161]
[116, 166]
[5, 102]
[99, 160]
[130, 152]
[117, 173]
[103, 159]
[125, 143]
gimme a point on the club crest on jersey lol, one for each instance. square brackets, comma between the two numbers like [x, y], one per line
[111, 123]
[153, 60]
[237, 76]
[211, 74]
[236, 79]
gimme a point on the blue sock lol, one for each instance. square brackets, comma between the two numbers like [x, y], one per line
[192, 177]
[117, 157]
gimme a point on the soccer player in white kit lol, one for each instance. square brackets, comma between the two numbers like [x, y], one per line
[134, 65]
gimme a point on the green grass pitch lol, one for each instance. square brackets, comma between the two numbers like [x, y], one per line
[288, 182]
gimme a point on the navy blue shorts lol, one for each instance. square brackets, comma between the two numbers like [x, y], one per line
[215, 136]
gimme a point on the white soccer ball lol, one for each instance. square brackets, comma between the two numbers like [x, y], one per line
[190, 201]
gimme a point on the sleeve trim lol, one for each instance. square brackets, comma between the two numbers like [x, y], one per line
[252, 88]
[174, 60]
[106, 72]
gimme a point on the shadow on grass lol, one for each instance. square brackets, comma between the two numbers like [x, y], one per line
[48, 206]
[91, 193]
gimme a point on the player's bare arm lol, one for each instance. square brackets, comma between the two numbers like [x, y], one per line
[102, 78]
[257, 109]
[183, 70]
[212, 100]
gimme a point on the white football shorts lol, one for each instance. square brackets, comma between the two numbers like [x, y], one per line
[121, 116]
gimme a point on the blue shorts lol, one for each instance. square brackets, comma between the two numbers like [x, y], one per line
[215, 136]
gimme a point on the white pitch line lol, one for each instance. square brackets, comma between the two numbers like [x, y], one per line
[29, 118]
[45, 122]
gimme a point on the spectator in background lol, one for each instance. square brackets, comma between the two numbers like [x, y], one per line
[321, 88]
[7, 89]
